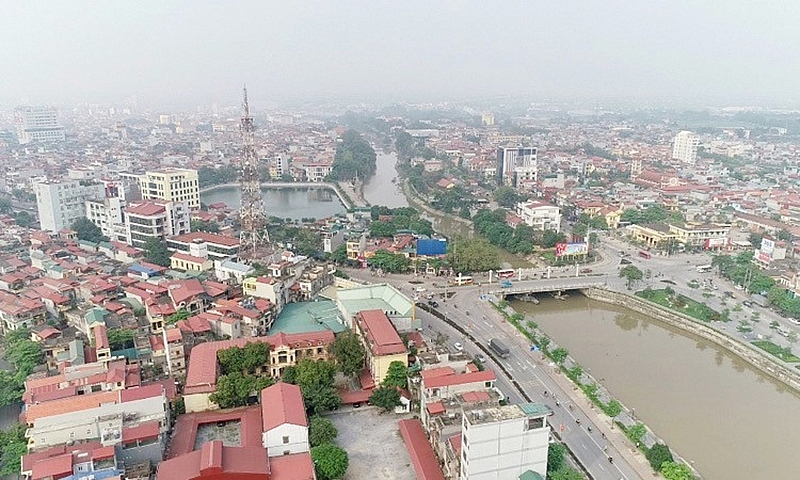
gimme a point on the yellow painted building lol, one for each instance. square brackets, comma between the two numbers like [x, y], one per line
[382, 342]
[171, 185]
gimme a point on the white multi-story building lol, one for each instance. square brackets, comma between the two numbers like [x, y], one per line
[108, 215]
[155, 219]
[515, 164]
[539, 215]
[498, 443]
[60, 203]
[684, 147]
[38, 124]
[171, 185]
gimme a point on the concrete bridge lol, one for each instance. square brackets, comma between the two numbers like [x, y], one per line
[555, 285]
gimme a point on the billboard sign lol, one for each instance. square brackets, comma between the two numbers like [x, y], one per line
[577, 248]
[716, 242]
[767, 245]
[764, 257]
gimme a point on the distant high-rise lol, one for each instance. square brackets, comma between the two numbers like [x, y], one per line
[38, 124]
[515, 164]
[684, 147]
[636, 168]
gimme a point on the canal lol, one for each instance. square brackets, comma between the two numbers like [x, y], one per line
[384, 188]
[294, 203]
[727, 418]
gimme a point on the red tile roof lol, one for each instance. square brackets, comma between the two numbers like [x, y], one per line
[197, 237]
[201, 376]
[146, 208]
[298, 466]
[460, 379]
[381, 335]
[53, 467]
[282, 403]
[435, 408]
[422, 457]
[185, 431]
[141, 432]
[188, 258]
[214, 460]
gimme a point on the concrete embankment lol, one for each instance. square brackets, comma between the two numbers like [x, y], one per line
[749, 354]
[347, 202]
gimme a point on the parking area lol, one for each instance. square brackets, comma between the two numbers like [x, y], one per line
[374, 444]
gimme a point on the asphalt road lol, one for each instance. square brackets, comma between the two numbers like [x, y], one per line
[530, 369]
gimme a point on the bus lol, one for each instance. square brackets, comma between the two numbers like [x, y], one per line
[460, 281]
[644, 254]
[507, 273]
[703, 268]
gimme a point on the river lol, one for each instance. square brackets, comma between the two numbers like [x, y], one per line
[712, 408]
[384, 187]
[294, 203]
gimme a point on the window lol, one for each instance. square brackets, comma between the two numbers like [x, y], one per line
[285, 439]
[534, 423]
[286, 452]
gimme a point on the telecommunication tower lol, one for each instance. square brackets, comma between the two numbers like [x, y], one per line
[253, 237]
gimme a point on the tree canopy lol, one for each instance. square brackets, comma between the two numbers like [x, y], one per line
[472, 255]
[155, 251]
[390, 262]
[321, 431]
[315, 379]
[13, 445]
[396, 375]
[236, 389]
[203, 226]
[385, 397]
[88, 231]
[349, 353]
[631, 273]
[657, 455]
[507, 197]
[354, 158]
[330, 461]
[245, 359]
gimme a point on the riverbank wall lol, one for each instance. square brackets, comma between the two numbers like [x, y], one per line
[754, 357]
[347, 202]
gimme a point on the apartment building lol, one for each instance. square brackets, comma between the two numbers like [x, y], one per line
[684, 147]
[540, 215]
[382, 342]
[108, 215]
[61, 202]
[171, 185]
[38, 124]
[503, 442]
[516, 164]
[205, 245]
[155, 219]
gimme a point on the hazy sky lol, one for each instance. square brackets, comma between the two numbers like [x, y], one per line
[200, 52]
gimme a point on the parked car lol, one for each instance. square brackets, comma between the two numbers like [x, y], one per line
[458, 347]
[586, 270]
[433, 303]
[480, 357]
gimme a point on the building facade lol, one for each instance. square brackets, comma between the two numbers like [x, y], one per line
[684, 147]
[499, 443]
[515, 164]
[155, 219]
[171, 185]
[540, 215]
[60, 203]
[38, 124]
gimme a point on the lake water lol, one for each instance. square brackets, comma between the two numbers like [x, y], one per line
[294, 203]
[384, 188]
[712, 408]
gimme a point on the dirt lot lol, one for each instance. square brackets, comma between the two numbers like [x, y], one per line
[374, 444]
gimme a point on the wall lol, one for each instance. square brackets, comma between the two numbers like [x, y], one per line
[199, 402]
[744, 351]
[298, 440]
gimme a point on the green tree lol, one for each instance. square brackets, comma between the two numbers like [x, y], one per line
[784, 235]
[330, 461]
[631, 273]
[25, 219]
[613, 408]
[658, 455]
[6, 206]
[13, 445]
[385, 397]
[354, 158]
[555, 457]
[551, 237]
[559, 355]
[88, 231]
[396, 375]
[235, 389]
[181, 314]
[289, 375]
[339, 255]
[676, 471]
[155, 251]
[203, 226]
[120, 338]
[390, 262]
[506, 197]
[349, 353]
[566, 473]
[637, 432]
[472, 255]
[315, 379]
[321, 431]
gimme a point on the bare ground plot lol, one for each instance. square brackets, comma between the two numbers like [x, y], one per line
[374, 445]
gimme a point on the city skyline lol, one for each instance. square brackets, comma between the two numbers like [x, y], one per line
[167, 54]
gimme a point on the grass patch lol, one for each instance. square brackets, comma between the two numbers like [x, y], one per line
[666, 297]
[784, 353]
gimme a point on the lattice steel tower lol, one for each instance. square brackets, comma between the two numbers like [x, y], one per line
[253, 238]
